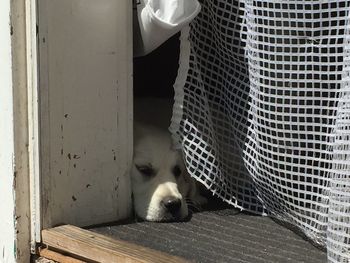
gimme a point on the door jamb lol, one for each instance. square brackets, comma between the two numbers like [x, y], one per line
[33, 120]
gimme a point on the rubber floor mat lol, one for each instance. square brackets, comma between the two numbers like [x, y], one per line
[225, 235]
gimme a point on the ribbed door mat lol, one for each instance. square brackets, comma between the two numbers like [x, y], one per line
[220, 236]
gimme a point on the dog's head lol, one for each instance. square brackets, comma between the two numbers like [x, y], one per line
[159, 182]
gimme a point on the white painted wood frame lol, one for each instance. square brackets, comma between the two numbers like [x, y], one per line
[33, 121]
[85, 95]
[14, 140]
[7, 147]
[75, 118]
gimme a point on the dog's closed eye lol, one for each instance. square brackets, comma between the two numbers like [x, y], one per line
[176, 171]
[146, 170]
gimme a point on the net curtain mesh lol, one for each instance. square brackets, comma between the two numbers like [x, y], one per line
[262, 111]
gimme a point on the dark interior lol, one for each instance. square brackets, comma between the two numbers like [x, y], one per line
[155, 73]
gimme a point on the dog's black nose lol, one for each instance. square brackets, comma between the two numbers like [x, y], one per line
[172, 204]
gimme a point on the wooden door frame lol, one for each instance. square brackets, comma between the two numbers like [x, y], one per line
[18, 43]
[70, 186]
[20, 105]
[33, 122]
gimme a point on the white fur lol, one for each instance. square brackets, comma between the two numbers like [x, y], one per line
[153, 147]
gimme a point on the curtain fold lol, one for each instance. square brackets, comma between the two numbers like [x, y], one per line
[262, 111]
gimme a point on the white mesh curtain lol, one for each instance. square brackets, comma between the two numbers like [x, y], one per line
[262, 111]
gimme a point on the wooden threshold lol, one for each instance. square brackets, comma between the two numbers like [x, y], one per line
[54, 256]
[99, 248]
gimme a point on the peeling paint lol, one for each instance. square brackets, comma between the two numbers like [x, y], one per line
[84, 157]
[14, 179]
[7, 164]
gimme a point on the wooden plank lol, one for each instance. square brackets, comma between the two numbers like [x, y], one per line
[43, 260]
[100, 248]
[58, 257]
[85, 99]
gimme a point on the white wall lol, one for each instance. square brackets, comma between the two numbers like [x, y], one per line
[7, 228]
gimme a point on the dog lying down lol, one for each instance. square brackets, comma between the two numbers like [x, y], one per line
[162, 189]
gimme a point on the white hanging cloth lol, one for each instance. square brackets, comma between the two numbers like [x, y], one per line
[160, 19]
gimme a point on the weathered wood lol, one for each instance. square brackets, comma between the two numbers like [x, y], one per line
[100, 248]
[85, 99]
[43, 260]
[57, 257]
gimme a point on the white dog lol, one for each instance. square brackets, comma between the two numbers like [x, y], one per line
[161, 186]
